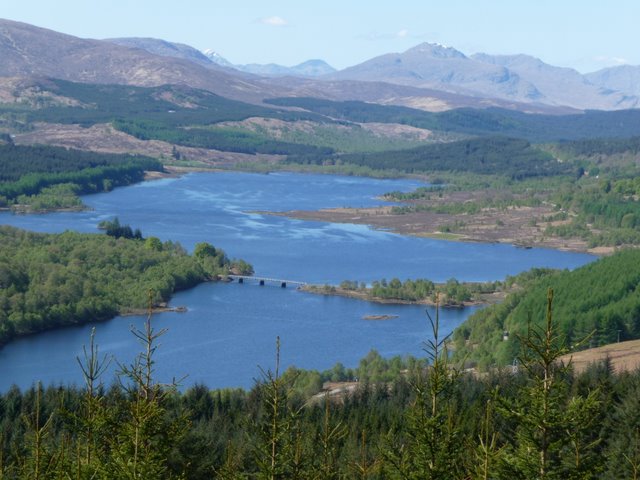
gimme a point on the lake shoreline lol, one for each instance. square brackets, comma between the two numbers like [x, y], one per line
[433, 225]
[211, 339]
[418, 224]
[485, 299]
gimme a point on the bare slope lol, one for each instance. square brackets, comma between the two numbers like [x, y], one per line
[28, 51]
[624, 356]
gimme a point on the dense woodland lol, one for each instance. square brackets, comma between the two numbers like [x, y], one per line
[51, 280]
[510, 157]
[46, 177]
[20, 160]
[599, 301]
[599, 146]
[430, 421]
[169, 104]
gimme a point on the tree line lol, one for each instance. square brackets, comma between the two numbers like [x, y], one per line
[52, 177]
[51, 280]
[225, 139]
[450, 293]
[536, 128]
[511, 157]
[430, 420]
[600, 299]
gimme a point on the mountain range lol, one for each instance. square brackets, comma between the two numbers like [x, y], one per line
[520, 78]
[310, 68]
[428, 76]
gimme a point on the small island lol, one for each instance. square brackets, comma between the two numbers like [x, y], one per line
[380, 317]
[450, 294]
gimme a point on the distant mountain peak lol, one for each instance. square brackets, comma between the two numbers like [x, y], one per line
[310, 68]
[164, 48]
[313, 68]
[436, 50]
[215, 57]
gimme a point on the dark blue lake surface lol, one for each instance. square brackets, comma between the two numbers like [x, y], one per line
[230, 329]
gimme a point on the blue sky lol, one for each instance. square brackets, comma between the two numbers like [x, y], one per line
[586, 35]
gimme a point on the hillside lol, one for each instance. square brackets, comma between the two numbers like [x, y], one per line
[45, 178]
[600, 302]
[166, 49]
[51, 280]
[488, 121]
[562, 86]
[436, 66]
[513, 158]
[29, 51]
[622, 356]
[62, 101]
[624, 78]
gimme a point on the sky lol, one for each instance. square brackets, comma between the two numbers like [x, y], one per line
[583, 34]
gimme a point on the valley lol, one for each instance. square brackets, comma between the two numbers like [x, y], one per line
[460, 234]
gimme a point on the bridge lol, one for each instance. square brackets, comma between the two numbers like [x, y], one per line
[264, 280]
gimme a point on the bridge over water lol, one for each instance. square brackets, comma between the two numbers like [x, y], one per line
[264, 280]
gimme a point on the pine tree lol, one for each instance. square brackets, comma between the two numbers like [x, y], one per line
[552, 426]
[274, 449]
[144, 433]
[88, 423]
[433, 448]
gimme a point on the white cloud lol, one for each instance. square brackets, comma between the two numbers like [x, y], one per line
[274, 21]
[402, 33]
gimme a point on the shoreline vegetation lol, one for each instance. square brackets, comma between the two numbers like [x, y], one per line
[451, 294]
[45, 178]
[441, 226]
[53, 280]
[465, 214]
[588, 215]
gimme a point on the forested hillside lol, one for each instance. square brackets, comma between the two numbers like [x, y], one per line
[45, 177]
[169, 113]
[173, 105]
[50, 280]
[225, 139]
[600, 146]
[481, 122]
[599, 302]
[514, 158]
[18, 161]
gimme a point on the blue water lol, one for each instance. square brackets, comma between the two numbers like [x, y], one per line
[230, 330]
